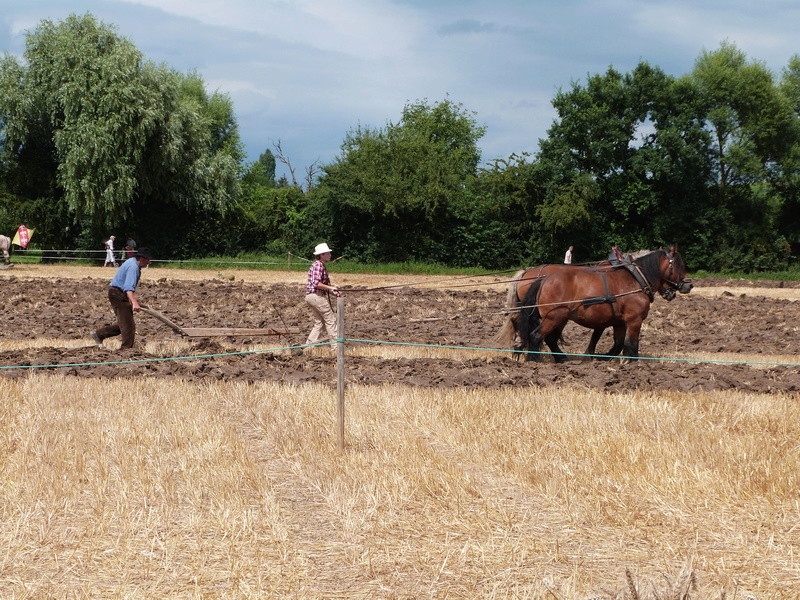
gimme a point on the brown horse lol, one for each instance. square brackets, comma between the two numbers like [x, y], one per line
[518, 290]
[597, 298]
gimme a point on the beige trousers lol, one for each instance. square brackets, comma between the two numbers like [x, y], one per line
[324, 319]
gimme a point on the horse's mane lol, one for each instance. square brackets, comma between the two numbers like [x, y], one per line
[638, 254]
[650, 264]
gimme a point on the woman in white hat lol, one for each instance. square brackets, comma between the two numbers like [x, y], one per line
[318, 287]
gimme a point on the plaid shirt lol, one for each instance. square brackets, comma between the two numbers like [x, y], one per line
[317, 274]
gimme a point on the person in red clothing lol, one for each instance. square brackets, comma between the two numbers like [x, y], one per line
[318, 291]
[614, 257]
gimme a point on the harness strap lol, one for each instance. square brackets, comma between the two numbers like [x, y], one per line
[636, 271]
[608, 298]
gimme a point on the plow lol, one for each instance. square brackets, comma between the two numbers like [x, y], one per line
[218, 331]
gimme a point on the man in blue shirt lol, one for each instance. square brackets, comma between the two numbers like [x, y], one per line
[122, 296]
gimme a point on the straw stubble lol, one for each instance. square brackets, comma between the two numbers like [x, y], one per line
[140, 488]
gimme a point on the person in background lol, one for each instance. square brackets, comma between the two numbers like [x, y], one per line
[5, 248]
[568, 256]
[122, 296]
[109, 244]
[130, 247]
[614, 257]
[318, 289]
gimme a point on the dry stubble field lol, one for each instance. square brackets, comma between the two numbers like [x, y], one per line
[466, 475]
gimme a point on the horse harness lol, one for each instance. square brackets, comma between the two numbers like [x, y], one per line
[610, 298]
[633, 268]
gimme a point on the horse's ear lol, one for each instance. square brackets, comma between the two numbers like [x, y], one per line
[673, 248]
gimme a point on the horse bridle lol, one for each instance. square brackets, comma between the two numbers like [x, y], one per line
[684, 286]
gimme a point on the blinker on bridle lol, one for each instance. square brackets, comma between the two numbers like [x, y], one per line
[684, 286]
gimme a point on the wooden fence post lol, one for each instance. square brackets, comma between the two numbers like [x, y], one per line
[340, 369]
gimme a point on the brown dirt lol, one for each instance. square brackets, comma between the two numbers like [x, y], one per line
[68, 309]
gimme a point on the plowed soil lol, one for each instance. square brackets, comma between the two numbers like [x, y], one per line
[69, 309]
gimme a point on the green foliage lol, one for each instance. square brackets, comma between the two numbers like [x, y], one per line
[270, 213]
[110, 140]
[95, 139]
[261, 172]
[645, 159]
[391, 193]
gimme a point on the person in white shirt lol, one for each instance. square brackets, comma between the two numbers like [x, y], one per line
[110, 260]
[568, 256]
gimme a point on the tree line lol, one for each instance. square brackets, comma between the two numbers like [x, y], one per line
[94, 137]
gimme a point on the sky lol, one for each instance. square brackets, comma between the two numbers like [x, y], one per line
[306, 72]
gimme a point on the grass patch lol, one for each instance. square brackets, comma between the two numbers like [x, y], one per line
[264, 262]
[789, 275]
[289, 262]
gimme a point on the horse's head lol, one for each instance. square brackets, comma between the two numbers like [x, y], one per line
[673, 274]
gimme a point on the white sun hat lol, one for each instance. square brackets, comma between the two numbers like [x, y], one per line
[321, 249]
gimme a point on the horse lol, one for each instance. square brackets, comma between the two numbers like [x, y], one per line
[524, 278]
[518, 288]
[600, 297]
[5, 247]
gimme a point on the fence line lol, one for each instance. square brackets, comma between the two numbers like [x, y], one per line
[408, 344]
[96, 255]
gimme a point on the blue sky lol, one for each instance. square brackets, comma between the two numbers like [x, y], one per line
[308, 71]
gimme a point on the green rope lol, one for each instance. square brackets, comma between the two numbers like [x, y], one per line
[695, 360]
[387, 343]
[162, 359]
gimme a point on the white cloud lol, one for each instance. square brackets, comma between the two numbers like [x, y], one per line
[369, 29]
[754, 29]
[307, 71]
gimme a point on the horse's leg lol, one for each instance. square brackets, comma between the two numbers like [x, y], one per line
[549, 330]
[591, 349]
[552, 343]
[534, 345]
[631, 344]
[619, 342]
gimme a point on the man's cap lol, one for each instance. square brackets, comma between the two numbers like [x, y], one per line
[321, 249]
[144, 253]
[112, 237]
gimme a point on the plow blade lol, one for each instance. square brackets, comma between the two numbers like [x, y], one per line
[218, 331]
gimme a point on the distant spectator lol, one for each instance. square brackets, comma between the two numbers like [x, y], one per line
[568, 256]
[110, 259]
[614, 257]
[130, 247]
[5, 247]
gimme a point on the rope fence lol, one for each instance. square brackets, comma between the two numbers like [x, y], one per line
[99, 255]
[410, 345]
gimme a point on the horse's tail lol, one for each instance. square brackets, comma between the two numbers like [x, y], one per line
[505, 337]
[530, 318]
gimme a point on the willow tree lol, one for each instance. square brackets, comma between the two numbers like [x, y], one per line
[100, 136]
